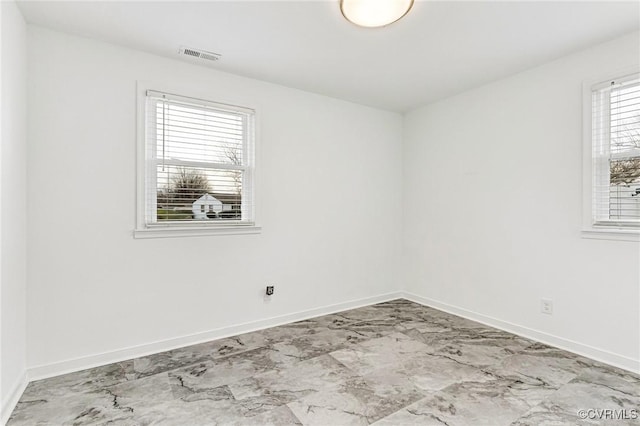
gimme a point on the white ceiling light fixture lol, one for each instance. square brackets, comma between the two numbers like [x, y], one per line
[374, 13]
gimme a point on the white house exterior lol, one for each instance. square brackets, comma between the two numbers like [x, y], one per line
[206, 207]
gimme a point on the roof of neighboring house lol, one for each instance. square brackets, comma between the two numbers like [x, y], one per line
[227, 198]
[207, 198]
[224, 198]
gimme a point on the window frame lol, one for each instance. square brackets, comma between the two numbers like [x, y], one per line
[591, 228]
[143, 229]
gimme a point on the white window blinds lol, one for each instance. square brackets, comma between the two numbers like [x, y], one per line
[616, 152]
[199, 162]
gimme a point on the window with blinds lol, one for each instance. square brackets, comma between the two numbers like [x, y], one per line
[616, 152]
[199, 163]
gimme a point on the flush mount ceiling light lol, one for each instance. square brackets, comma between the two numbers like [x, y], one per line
[374, 13]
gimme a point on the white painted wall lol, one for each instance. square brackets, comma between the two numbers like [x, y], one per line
[329, 176]
[13, 205]
[493, 208]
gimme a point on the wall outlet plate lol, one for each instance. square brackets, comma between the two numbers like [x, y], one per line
[546, 306]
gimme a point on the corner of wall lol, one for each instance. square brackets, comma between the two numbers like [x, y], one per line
[13, 396]
[13, 128]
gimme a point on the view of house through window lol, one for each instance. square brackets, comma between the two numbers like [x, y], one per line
[616, 152]
[199, 165]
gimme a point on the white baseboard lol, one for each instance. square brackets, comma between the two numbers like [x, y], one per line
[597, 354]
[11, 400]
[77, 364]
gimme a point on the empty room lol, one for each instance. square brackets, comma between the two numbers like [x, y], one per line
[319, 212]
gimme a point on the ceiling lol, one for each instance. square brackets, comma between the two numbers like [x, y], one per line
[439, 49]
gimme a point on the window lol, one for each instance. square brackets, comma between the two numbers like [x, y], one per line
[199, 162]
[615, 153]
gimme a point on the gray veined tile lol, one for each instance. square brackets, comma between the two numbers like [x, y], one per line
[372, 312]
[379, 353]
[178, 404]
[280, 416]
[181, 357]
[545, 351]
[218, 396]
[332, 408]
[479, 348]
[407, 315]
[595, 388]
[393, 310]
[400, 308]
[424, 322]
[427, 319]
[490, 403]
[563, 407]
[81, 381]
[398, 304]
[550, 372]
[396, 389]
[357, 400]
[361, 330]
[88, 408]
[513, 397]
[294, 381]
[419, 326]
[317, 336]
[164, 400]
[173, 413]
[229, 369]
[310, 345]
[539, 416]
[363, 323]
[285, 332]
[459, 323]
[200, 413]
[164, 361]
[611, 377]
[78, 397]
[167, 398]
[153, 389]
[313, 344]
[427, 373]
[143, 395]
[412, 415]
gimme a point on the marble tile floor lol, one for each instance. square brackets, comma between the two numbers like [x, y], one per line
[394, 363]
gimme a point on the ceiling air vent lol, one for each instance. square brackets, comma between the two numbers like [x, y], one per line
[201, 54]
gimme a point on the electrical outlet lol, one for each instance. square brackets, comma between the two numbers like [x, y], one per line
[546, 306]
[269, 290]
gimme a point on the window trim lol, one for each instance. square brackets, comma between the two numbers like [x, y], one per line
[591, 229]
[163, 230]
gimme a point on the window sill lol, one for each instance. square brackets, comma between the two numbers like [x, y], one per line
[613, 234]
[161, 232]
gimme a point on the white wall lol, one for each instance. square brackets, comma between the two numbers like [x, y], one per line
[13, 204]
[330, 180]
[493, 210]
